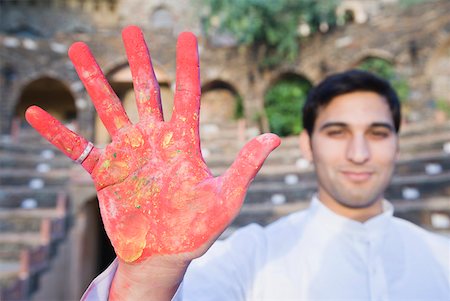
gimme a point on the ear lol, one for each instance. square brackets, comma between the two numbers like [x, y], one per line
[305, 145]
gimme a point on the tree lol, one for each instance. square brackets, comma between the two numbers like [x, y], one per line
[271, 28]
[387, 71]
[283, 105]
[270, 31]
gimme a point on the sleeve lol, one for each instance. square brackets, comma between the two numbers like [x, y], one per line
[98, 290]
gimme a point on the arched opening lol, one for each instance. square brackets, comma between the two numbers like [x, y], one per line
[24, 31]
[51, 95]
[220, 103]
[122, 83]
[7, 75]
[349, 16]
[283, 103]
[386, 69]
[96, 252]
[351, 12]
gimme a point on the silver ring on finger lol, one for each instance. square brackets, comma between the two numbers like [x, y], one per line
[85, 153]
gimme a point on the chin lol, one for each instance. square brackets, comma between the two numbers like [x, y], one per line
[358, 202]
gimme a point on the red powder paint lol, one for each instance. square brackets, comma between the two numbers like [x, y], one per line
[156, 194]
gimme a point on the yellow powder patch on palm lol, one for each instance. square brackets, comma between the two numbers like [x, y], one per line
[119, 123]
[167, 139]
[135, 139]
[131, 237]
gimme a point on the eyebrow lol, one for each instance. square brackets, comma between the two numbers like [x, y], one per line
[386, 125]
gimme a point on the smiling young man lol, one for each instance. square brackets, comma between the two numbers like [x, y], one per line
[353, 142]
[347, 245]
[163, 210]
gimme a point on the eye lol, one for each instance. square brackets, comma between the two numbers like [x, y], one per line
[379, 134]
[335, 133]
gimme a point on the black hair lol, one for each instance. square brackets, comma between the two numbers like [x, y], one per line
[347, 82]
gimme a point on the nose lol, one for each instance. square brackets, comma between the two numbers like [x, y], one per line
[358, 150]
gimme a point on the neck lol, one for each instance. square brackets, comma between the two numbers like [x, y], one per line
[360, 214]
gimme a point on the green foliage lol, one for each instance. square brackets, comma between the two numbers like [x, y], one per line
[283, 104]
[268, 25]
[444, 106]
[239, 109]
[406, 3]
[385, 70]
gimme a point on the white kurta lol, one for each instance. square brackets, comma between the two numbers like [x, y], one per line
[318, 255]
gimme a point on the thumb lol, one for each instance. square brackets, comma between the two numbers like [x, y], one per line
[248, 162]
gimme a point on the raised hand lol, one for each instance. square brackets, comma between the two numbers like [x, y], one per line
[156, 194]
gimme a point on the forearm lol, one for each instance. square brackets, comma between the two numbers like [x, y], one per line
[154, 279]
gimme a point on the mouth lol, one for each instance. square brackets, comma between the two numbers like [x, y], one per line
[357, 176]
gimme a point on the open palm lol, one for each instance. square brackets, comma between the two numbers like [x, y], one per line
[156, 194]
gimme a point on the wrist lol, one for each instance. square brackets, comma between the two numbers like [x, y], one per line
[156, 278]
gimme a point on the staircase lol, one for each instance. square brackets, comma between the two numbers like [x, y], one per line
[33, 211]
[34, 203]
[419, 191]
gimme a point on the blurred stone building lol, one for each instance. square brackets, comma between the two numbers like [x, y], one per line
[35, 69]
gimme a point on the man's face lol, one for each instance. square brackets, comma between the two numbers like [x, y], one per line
[354, 147]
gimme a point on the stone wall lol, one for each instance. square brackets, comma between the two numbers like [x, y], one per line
[34, 39]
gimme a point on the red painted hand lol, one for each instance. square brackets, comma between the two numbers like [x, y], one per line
[156, 194]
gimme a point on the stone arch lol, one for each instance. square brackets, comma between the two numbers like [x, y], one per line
[52, 94]
[373, 54]
[385, 67]
[25, 31]
[95, 251]
[8, 74]
[162, 18]
[283, 101]
[379, 63]
[122, 83]
[220, 103]
[352, 9]
[438, 72]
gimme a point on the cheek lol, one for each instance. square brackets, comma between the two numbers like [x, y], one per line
[385, 154]
[328, 152]
[326, 160]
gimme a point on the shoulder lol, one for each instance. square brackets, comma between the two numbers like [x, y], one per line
[414, 235]
[254, 240]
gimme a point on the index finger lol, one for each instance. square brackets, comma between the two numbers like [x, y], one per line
[105, 100]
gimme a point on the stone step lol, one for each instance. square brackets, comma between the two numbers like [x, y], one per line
[435, 141]
[228, 131]
[17, 197]
[21, 220]
[423, 128]
[282, 164]
[34, 179]
[54, 158]
[411, 186]
[431, 165]
[265, 213]
[289, 151]
[11, 243]
[9, 272]
[26, 147]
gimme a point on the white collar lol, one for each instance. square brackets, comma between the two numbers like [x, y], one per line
[373, 230]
